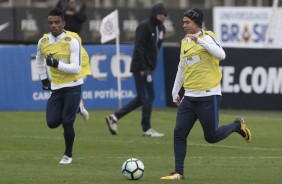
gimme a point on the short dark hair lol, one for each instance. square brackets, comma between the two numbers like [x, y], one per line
[57, 12]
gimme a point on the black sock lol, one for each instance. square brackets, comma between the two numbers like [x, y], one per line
[69, 135]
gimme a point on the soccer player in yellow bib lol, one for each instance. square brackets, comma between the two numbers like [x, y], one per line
[68, 63]
[199, 74]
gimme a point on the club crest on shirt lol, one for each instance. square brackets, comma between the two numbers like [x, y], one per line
[67, 39]
[43, 40]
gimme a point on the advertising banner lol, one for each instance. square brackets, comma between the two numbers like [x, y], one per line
[21, 88]
[128, 22]
[6, 24]
[251, 78]
[31, 24]
[27, 25]
[242, 26]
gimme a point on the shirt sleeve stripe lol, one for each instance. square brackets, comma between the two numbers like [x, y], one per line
[214, 40]
[79, 52]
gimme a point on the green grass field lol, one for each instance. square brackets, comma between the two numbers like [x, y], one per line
[30, 152]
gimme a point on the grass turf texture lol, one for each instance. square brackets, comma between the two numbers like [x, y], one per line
[30, 152]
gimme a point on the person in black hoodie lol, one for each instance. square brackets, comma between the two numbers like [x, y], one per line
[74, 11]
[148, 40]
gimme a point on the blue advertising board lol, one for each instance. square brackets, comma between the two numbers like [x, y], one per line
[21, 86]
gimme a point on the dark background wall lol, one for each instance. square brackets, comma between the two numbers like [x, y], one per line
[252, 78]
[27, 25]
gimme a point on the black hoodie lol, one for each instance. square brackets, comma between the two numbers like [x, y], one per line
[146, 45]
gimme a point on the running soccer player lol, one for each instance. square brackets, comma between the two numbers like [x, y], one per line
[68, 62]
[199, 74]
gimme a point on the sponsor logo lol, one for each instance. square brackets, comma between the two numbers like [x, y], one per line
[51, 54]
[170, 30]
[96, 65]
[252, 79]
[4, 26]
[185, 51]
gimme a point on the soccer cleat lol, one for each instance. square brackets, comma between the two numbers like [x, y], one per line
[173, 176]
[112, 124]
[66, 160]
[83, 112]
[152, 133]
[244, 131]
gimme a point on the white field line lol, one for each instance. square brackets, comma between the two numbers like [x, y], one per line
[189, 157]
[37, 137]
[166, 143]
[230, 157]
[236, 147]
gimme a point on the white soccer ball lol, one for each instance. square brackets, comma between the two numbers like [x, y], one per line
[132, 169]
